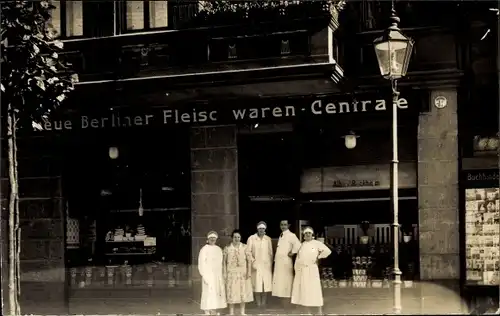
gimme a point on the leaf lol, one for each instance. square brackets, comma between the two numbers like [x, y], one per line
[36, 126]
[2, 87]
[36, 49]
[40, 84]
[58, 44]
[74, 78]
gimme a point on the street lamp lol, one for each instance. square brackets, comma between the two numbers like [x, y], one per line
[393, 51]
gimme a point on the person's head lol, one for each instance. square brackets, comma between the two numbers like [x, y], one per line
[236, 236]
[284, 225]
[212, 237]
[261, 228]
[308, 233]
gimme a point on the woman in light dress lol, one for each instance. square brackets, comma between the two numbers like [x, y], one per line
[306, 289]
[237, 270]
[210, 265]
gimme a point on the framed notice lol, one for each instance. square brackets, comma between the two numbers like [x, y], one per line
[482, 228]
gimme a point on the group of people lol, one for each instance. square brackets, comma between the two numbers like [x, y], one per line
[242, 272]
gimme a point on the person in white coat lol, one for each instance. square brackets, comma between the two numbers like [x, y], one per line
[261, 250]
[307, 284]
[213, 292]
[288, 246]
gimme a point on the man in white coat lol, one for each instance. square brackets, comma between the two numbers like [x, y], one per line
[261, 249]
[288, 246]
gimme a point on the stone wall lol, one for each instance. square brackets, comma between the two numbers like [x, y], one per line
[214, 185]
[439, 196]
[43, 286]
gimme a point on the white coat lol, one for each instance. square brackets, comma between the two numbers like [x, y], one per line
[307, 284]
[283, 265]
[261, 250]
[213, 293]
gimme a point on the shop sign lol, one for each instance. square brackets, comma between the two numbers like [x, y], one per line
[355, 178]
[481, 178]
[355, 183]
[231, 114]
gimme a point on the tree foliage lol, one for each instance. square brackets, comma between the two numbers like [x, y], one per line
[219, 6]
[34, 82]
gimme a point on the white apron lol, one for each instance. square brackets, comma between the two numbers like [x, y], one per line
[307, 284]
[261, 250]
[213, 293]
[283, 265]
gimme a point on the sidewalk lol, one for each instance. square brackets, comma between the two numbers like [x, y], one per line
[345, 301]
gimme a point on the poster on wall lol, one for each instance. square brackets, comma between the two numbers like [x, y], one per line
[482, 228]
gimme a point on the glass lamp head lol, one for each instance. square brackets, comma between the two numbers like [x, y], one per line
[393, 51]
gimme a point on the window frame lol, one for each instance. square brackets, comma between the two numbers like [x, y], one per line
[63, 34]
[122, 17]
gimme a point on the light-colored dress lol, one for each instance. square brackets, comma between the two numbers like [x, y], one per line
[307, 284]
[238, 287]
[213, 294]
[283, 265]
[261, 250]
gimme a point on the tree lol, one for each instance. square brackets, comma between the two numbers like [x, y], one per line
[34, 82]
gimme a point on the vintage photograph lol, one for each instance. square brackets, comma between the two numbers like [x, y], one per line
[249, 157]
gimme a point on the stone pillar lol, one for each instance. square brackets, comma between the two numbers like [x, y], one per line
[214, 185]
[41, 212]
[438, 194]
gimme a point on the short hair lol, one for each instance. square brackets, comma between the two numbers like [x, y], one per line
[236, 231]
[285, 220]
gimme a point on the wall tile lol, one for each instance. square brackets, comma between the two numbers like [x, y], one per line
[213, 159]
[438, 148]
[198, 137]
[439, 266]
[214, 203]
[438, 172]
[439, 239]
[436, 196]
[221, 136]
[213, 181]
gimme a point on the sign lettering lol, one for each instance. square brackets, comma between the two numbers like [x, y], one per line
[169, 116]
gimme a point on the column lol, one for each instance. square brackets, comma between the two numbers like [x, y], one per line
[438, 197]
[43, 283]
[214, 185]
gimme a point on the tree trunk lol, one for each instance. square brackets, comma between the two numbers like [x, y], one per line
[14, 308]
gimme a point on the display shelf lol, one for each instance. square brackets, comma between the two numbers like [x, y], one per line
[129, 253]
[168, 209]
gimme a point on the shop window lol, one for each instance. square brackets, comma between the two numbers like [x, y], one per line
[128, 199]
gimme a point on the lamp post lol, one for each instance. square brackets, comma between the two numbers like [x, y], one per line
[393, 51]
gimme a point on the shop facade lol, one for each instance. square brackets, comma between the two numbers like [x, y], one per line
[137, 167]
[136, 184]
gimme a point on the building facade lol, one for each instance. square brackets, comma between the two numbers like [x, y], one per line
[191, 118]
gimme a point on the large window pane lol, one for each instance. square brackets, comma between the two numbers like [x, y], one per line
[135, 15]
[74, 18]
[158, 14]
[55, 19]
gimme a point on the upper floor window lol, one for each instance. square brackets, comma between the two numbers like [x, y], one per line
[67, 18]
[94, 18]
[84, 18]
[144, 15]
